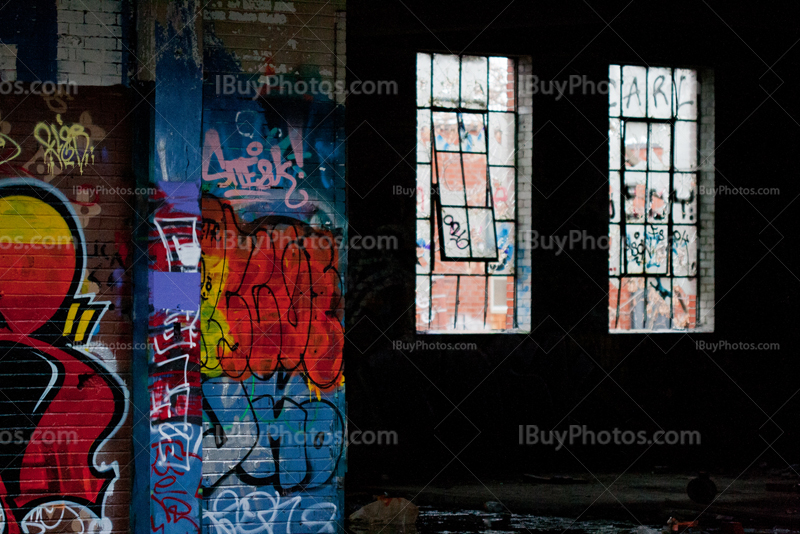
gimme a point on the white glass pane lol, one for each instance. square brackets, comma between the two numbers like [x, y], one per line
[423, 191]
[660, 146]
[634, 248]
[684, 250]
[503, 191]
[423, 247]
[614, 133]
[636, 145]
[456, 232]
[634, 86]
[656, 249]
[686, 91]
[445, 80]
[474, 76]
[481, 229]
[658, 197]
[423, 302]
[634, 196]
[613, 250]
[473, 137]
[685, 146]
[502, 134]
[684, 210]
[445, 126]
[614, 207]
[613, 90]
[659, 93]
[423, 80]
[450, 180]
[658, 313]
[684, 303]
[500, 88]
[423, 135]
[505, 250]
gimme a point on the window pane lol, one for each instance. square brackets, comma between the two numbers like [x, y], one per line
[684, 303]
[474, 75]
[657, 197]
[686, 94]
[424, 135]
[634, 85]
[423, 298]
[614, 133]
[613, 250]
[471, 302]
[423, 247]
[635, 145]
[456, 232]
[443, 302]
[685, 146]
[501, 139]
[613, 90]
[445, 126]
[505, 250]
[659, 93]
[634, 249]
[450, 181]
[475, 178]
[614, 198]
[658, 310]
[481, 232]
[660, 147]
[423, 80]
[423, 191]
[445, 80]
[684, 251]
[501, 89]
[634, 196]
[684, 210]
[656, 249]
[503, 193]
[473, 136]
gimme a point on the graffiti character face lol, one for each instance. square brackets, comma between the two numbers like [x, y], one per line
[52, 474]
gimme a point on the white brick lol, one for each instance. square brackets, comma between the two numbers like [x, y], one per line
[71, 16]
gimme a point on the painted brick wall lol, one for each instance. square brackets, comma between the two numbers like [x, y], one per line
[65, 311]
[707, 215]
[274, 256]
[90, 50]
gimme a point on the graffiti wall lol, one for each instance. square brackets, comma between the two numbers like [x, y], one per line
[65, 313]
[272, 267]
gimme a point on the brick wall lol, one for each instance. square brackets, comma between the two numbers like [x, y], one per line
[706, 160]
[274, 253]
[66, 217]
[90, 49]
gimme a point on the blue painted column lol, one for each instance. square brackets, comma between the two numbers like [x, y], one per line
[174, 278]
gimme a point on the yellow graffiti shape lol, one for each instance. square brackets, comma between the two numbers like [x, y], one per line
[9, 149]
[64, 146]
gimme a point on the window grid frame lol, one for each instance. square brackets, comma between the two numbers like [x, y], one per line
[431, 219]
[622, 224]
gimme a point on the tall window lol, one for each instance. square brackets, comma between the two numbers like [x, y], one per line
[467, 258]
[654, 217]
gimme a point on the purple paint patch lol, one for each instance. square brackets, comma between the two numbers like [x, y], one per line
[184, 196]
[175, 291]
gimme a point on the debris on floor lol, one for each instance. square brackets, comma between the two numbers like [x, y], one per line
[387, 511]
